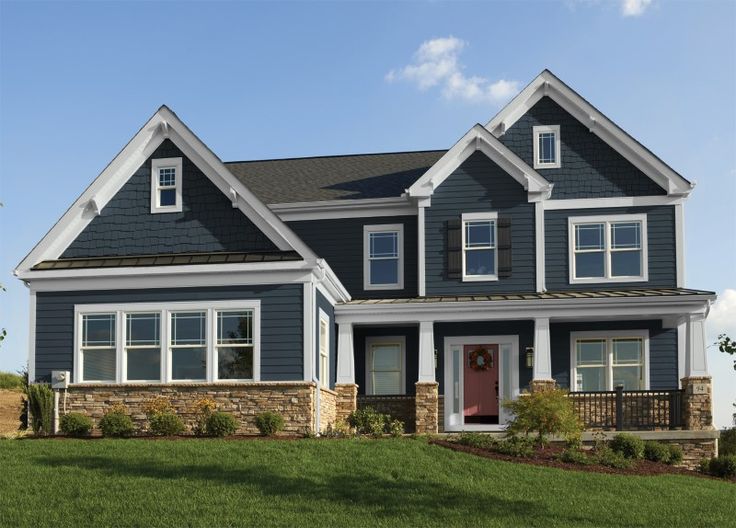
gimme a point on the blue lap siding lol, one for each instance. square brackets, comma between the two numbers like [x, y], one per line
[340, 242]
[663, 360]
[479, 185]
[281, 323]
[207, 223]
[661, 248]
[590, 167]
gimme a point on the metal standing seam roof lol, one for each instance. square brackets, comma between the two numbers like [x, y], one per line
[596, 294]
[348, 177]
[176, 259]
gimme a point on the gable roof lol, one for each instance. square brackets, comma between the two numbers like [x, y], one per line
[347, 177]
[164, 124]
[547, 84]
[479, 138]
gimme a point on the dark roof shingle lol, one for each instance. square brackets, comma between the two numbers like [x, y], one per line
[349, 177]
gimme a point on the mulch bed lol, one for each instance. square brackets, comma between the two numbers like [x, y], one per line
[548, 457]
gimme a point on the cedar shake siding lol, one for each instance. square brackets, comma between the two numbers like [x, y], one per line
[282, 320]
[208, 223]
[663, 362]
[479, 185]
[340, 243]
[590, 167]
[662, 252]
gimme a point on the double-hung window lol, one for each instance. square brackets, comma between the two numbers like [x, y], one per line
[166, 177]
[601, 362]
[385, 360]
[546, 147]
[608, 249]
[480, 256]
[324, 349]
[175, 342]
[383, 266]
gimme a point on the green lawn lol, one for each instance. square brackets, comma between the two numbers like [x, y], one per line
[328, 483]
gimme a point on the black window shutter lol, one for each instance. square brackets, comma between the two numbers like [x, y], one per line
[454, 249]
[504, 247]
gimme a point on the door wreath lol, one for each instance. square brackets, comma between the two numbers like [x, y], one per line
[481, 359]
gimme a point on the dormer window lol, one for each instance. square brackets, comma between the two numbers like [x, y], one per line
[166, 185]
[546, 147]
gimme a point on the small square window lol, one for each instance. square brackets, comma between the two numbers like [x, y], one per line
[546, 140]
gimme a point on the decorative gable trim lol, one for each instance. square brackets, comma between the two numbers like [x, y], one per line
[164, 124]
[547, 84]
[480, 139]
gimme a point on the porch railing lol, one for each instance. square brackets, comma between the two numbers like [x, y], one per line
[629, 410]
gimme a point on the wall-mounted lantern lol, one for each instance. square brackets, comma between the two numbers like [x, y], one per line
[529, 357]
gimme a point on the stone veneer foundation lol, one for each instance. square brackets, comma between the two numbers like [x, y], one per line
[427, 407]
[294, 400]
[347, 400]
[327, 408]
[697, 404]
[541, 385]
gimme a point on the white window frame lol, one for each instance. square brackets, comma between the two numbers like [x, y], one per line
[161, 344]
[490, 216]
[382, 228]
[216, 358]
[608, 336]
[324, 349]
[543, 129]
[607, 220]
[165, 163]
[165, 309]
[370, 341]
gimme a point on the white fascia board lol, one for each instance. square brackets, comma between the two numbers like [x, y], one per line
[162, 125]
[547, 84]
[555, 310]
[327, 278]
[625, 201]
[332, 209]
[478, 138]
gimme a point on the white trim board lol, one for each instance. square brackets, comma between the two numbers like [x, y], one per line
[162, 125]
[479, 139]
[598, 203]
[547, 84]
[332, 209]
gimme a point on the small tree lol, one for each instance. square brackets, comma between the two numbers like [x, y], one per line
[727, 346]
[547, 412]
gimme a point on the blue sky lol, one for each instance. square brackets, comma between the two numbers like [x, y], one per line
[256, 80]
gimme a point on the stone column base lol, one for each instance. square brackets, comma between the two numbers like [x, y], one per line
[541, 385]
[347, 400]
[697, 403]
[427, 407]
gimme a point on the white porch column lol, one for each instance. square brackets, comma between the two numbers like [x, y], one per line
[696, 359]
[542, 351]
[345, 359]
[426, 352]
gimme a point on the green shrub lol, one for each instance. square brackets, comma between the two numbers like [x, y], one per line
[41, 401]
[10, 381]
[221, 424]
[515, 446]
[116, 423]
[367, 421]
[628, 445]
[723, 466]
[76, 424]
[395, 428]
[547, 412]
[575, 456]
[609, 457]
[165, 424]
[704, 465]
[269, 423]
[657, 452]
[340, 429]
[477, 440]
[675, 454]
[727, 442]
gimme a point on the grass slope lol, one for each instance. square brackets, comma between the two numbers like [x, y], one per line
[342, 482]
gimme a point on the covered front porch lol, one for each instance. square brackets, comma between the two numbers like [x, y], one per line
[632, 360]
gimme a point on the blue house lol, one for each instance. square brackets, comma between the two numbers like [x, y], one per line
[544, 247]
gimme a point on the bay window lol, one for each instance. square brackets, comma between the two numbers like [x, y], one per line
[179, 341]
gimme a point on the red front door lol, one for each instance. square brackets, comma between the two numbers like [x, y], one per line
[480, 383]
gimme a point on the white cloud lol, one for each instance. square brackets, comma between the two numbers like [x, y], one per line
[722, 317]
[634, 8]
[436, 64]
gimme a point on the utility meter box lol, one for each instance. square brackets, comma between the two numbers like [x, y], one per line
[59, 379]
